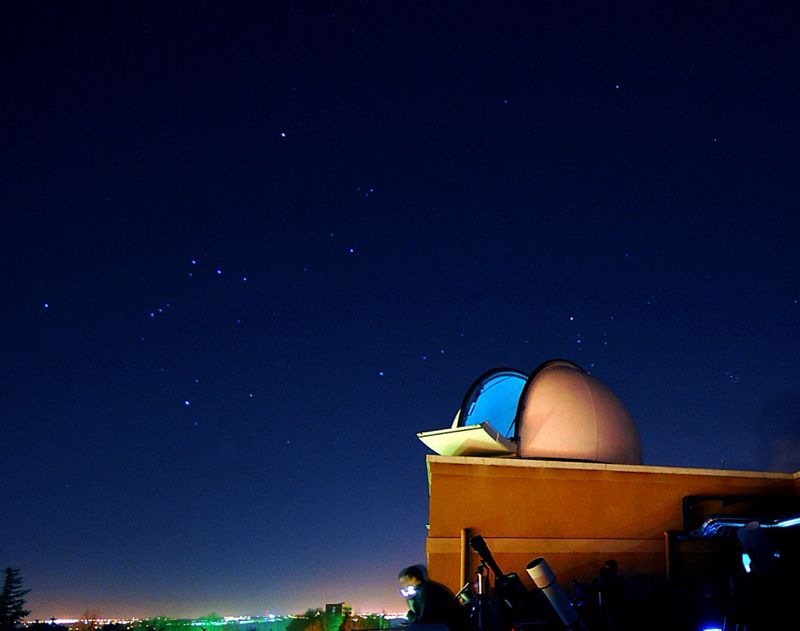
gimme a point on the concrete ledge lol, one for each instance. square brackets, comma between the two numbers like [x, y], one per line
[530, 463]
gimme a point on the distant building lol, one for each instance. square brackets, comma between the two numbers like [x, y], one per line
[335, 615]
[338, 609]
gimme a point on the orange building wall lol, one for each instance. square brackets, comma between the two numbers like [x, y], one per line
[575, 515]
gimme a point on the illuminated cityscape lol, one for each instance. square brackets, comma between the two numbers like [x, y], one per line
[329, 618]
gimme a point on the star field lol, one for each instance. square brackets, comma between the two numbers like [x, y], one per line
[249, 251]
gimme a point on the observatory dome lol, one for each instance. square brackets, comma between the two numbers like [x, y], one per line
[557, 412]
[566, 413]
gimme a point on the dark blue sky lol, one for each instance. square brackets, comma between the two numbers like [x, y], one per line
[250, 249]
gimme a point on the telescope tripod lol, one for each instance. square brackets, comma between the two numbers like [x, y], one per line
[476, 596]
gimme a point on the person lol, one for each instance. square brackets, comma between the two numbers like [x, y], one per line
[429, 602]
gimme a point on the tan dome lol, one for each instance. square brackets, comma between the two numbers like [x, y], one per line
[566, 413]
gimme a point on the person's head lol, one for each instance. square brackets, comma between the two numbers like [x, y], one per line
[410, 578]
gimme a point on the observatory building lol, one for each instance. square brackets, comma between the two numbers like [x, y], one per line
[549, 464]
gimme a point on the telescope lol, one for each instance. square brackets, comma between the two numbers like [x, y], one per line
[517, 604]
[509, 588]
[512, 605]
[545, 580]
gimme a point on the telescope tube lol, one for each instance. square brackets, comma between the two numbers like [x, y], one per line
[545, 579]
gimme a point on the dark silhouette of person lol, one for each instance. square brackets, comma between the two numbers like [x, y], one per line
[610, 588]
[429, 602]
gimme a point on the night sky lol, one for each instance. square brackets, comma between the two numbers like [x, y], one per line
[250, 249]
